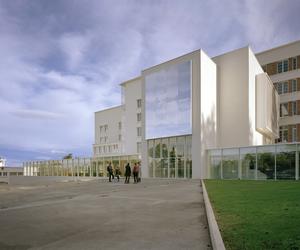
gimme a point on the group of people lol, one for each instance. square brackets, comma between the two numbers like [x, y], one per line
[135, 172]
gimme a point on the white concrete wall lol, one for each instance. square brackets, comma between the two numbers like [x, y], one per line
[110, 117]
[132, 91]
[232, 82]
[208, 107]
[254, 69]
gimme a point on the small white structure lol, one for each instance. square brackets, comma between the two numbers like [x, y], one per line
[2, 162]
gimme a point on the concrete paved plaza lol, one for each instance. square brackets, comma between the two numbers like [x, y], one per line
[154, 214]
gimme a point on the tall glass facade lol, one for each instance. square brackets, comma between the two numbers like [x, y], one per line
[170, 157]
[168, 101]
[268, 162]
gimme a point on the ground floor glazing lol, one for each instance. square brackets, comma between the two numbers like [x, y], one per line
[274, 162]
[170, 157]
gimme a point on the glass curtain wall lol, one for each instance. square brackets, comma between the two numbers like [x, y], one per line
[170, 157]
[84, 167]
[269, 162]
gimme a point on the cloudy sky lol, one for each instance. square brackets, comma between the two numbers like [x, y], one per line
[62, 60]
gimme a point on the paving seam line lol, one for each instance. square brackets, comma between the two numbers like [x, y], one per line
[215, 235]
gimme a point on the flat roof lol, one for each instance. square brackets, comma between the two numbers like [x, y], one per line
[278, 47]
[115, 107]
[130, 80]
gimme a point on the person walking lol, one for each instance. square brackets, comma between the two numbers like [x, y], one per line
[110, 171]
[135, 172]
[117, 173]
[127, 173]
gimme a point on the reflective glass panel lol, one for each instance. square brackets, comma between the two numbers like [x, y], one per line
[230, 163]
[248, 162]
[286, 162]
[265, 162]
[168, 101]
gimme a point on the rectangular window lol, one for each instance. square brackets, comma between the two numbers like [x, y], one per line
[139, 131]
[139, 103]
[285, 87]
[282, 66]
[279, 67]
[105, 139]
[294, 133]
[120, 125]
[120, 137]
[138, 147]
[284, 111]
[101, 129]
[294, 63]
[294, 85]
[279, 87]
[294, 108]
[285, 65]
[139, 117]
[283, 133]
[105, 128]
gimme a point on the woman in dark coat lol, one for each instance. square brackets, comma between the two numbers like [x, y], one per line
[127, 173]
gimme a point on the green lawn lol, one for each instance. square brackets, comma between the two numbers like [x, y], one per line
[257, 214]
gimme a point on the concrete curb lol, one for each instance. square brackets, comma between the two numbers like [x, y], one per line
[215, 235]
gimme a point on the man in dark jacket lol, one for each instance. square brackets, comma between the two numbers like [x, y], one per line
[110, 171]
[127, 173]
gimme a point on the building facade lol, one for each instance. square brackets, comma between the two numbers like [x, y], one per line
[283, 66]
[173, 112]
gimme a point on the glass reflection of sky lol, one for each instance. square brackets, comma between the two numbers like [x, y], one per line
[168, 101]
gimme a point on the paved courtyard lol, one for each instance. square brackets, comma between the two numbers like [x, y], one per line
[154, 214]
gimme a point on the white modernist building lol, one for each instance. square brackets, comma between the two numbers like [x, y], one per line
[173, 112]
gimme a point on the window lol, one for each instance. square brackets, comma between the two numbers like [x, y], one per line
[139, 103]
[294, 108]
[139, 117]
[283, 133]
[120, 125]
[294, 133]
[105, 128]
[101, 129]
[138, 147]
[285, 87]
[120, 137]
[294, 63]
[283, 66]
[279, 87]
[105, 139]
[139, 131]
[109, 149]
[284, 109]
[294, 85]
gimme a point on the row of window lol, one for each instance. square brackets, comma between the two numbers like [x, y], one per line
[283, 87]
[281, 66]
[103, 128]
[286, 111]
[284, 133]
[107, 149]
